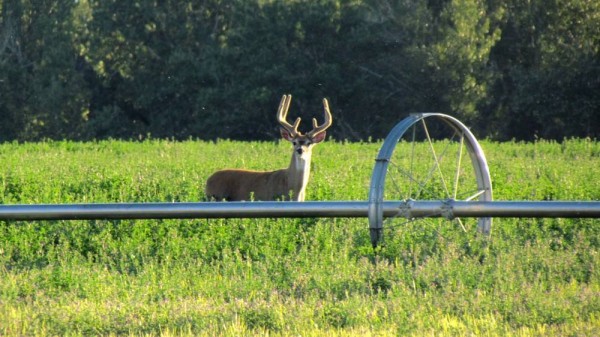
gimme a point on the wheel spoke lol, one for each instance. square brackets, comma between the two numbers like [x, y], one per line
[461, 225]
[412, 159]
[412, 179]
[458, 165]
[406, 221]
[426, 223]
[477, 194]
[436, 165]
[435, 158]
[393, 176]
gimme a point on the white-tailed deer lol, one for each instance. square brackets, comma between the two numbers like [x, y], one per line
[289, 183]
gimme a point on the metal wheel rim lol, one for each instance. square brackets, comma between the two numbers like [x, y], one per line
[380, 170]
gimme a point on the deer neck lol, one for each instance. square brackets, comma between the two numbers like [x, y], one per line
[298, 173]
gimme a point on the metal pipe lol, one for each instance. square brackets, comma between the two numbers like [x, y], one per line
[330, 209]
[500, 209]
[528, 209]
[183, 210]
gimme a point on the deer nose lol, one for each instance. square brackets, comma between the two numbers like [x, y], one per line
[299, 150]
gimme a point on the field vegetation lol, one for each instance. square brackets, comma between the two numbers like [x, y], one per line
[289, 277]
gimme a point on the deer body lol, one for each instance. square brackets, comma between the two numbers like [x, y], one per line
[287, 184]
[236, 184]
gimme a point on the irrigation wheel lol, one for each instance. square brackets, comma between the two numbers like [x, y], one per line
[424, 158]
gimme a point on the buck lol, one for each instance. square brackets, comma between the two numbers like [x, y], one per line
[287, 184]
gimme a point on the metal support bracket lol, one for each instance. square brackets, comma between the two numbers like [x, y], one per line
[404, 210]
[447, 209]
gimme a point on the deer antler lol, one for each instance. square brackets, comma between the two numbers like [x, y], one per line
[284, 106]
[327, 123]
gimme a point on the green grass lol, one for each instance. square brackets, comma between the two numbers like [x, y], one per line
[289, 277]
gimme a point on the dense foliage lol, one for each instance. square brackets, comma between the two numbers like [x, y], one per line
[289, 277]
[212, 69]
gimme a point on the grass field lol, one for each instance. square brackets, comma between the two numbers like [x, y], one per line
[290, 277]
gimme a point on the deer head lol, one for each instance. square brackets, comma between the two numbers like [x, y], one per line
[302, 142]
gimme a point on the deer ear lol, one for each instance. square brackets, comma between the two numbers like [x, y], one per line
[285, 134]
[319, 137]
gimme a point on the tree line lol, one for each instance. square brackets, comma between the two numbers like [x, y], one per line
[208, 69]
